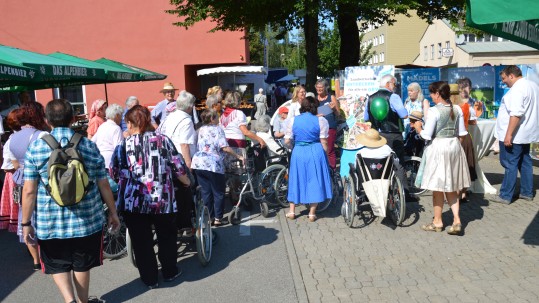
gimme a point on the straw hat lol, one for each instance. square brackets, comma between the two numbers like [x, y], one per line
[167, 87]
[454, 88]
[371, 138]
[416, 115]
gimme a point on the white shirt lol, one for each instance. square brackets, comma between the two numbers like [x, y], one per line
[231, 124]
[270, 142]
[432, 118]
[179, 127]
[8, 156]
[107, 137]
[522, 100]
[381, 152]
[293, 109]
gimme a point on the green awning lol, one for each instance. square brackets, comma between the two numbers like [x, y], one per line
[144, 74]
[516, 20]
[10, 72]
[51, 72]
[114, 73]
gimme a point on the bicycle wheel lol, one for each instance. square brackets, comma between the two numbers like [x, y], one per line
[349, 206]
[114, 244]
[396, 204]
[281, 187]
[204, 241]
[268, 177]
[411, 167]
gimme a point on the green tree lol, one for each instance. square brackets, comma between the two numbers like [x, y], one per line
[365, 53]
[328, 52]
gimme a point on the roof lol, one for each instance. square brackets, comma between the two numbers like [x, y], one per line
[246, 69]
[495, 47]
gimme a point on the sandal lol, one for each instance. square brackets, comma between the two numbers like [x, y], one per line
[455, 229]
[431, 227]
[291, 215]
[312, 218]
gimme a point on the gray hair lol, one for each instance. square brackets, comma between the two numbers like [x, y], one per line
[263, 124]
[416, 87]
[385, 79]
[185, 101]
[260, 90]
[232, 99]
[131, 101]
[211, 101]
[323, 82]
[113, 110]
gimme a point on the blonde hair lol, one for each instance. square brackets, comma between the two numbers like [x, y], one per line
[213, 90]
[295, 93]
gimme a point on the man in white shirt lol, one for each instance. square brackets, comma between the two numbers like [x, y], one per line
[179, 127]
[516, 127]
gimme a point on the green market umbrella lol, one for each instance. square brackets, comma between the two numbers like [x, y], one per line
[144, 74]
[15, 72]
[516, 20]
[50, 72]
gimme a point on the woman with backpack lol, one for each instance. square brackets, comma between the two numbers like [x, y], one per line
[31, 118]
[146, 164]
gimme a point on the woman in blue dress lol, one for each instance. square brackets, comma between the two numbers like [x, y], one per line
[309, 180]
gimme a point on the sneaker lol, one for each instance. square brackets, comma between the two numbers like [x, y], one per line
[95, 300]
[174, 277]
[498, 199]
[525, 198]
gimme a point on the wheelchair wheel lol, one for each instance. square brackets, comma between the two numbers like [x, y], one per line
[114, 244]
[129, 248]
[264, 209]
[268, 178]
[204, 235]
[411, 167]
[281, 187]
[396, 205]
[349, 205]
[235, 216]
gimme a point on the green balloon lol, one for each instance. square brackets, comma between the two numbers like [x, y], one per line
[379, 108]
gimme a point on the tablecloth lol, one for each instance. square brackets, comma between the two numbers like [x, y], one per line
[482, 138]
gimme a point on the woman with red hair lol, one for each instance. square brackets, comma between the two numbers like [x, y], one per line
[96, 116]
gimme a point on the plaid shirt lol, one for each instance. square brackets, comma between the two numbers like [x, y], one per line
[80, 220]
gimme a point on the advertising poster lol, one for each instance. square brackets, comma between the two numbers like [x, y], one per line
[423, 76]
[483, 79]
[359, 83]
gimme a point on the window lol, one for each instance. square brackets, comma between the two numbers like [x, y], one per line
[447, 45]
[375, 41]
[375, 57]
[382, 57]
[432, 51]
[439, 50]
[470, 38]
[381, 39]
[75, 95]
[425, 53]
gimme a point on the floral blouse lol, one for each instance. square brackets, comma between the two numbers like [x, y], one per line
[145, 164]
[210, 157]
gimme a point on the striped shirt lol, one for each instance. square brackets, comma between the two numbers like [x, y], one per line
[80, 220]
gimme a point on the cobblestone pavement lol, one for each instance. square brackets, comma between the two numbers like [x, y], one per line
[495, 260]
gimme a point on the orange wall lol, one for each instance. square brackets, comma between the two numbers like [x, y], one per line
[136, 32]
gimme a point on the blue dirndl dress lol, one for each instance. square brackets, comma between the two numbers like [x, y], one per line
[309, 179]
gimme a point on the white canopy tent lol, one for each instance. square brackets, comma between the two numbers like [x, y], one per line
[229, 76]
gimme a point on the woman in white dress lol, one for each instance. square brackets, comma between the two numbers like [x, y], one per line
[444, 168]
[298, 96]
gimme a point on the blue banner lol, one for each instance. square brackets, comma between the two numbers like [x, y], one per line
[423, 76]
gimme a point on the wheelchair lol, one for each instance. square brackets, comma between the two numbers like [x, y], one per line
[253, 180]
[355, 193]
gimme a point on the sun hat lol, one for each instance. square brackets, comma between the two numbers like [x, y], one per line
[167, 87]
[283, 110]
[416, 115]
[371, 138]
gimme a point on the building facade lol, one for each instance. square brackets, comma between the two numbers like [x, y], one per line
[136, 32]
[395, 44]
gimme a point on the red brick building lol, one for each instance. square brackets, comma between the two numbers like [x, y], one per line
[136, 32]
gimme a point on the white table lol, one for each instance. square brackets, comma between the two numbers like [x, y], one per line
[482, 138]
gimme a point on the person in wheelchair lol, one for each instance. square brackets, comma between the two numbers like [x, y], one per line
[262, 129]
[413, 143]
[375, 154]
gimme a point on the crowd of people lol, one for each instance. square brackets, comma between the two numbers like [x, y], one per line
[157, 156]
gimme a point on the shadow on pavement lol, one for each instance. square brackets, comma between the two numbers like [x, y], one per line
[531, 234]
[15, 262]
[229, 247]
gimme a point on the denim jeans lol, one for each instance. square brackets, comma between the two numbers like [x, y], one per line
[513, 159]
[213, 191]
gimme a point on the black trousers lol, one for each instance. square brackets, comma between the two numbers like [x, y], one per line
[140, 231]
[396, 142]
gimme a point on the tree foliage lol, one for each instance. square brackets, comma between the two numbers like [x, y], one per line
[328, 52]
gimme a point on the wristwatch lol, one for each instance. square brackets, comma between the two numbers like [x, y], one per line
[29, 223]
